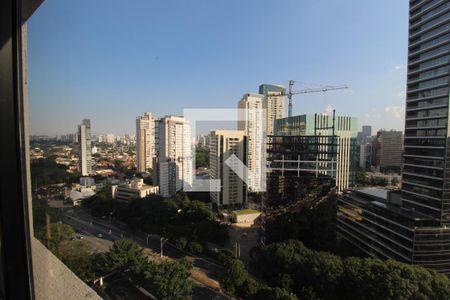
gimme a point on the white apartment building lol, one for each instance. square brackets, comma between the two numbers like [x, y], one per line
[251, 120]
[174, 144]
[225, 143]
[110, 138]
[84, 142]
[145, 142]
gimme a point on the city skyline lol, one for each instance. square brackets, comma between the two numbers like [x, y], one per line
[180, 63]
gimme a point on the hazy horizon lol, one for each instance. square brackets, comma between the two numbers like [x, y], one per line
[111, 63]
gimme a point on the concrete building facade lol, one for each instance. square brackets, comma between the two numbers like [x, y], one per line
[389, 150]
[224, 144]
[136, 188]
[274, 104]
[85, 147]
[252, 121]
[145, 142]
[174, 144]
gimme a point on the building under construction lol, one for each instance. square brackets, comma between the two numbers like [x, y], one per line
[290, 158]
[323, 145]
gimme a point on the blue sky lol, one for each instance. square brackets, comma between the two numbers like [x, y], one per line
[111, 60]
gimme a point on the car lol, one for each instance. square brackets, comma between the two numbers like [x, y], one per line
[100, 235]
[80, 237]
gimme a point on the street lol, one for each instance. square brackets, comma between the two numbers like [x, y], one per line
[205, 273]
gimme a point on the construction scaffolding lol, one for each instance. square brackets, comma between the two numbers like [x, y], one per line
[289, 158]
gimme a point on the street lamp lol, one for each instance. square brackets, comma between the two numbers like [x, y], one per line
[163, 241]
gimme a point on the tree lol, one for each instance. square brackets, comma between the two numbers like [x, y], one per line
[169, 280]
[77, 255]
[46, 171]
[42, 214]
[195, 247]
[201, 157]
[314, 226]
[268, 293]
[124, 254]
[394, 181]
[361, 177]
[321, 275]
[53, 234]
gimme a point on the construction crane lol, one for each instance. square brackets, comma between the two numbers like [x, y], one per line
[307, 91]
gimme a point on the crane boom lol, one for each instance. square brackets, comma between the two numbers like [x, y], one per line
[307, 91]
[321, 89]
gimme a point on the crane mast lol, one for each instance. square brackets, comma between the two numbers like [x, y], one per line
[291, 83]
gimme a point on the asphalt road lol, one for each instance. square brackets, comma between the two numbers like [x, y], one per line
[92, 227]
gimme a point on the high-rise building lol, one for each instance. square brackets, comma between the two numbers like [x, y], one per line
[293, 159]
[364, 133]
[252, 121]
[145, 142]
[84, 141]
[411, 225]
[388, 150]
[274, 104]
[110, 138]
[224, 144]
[347, 158]
[365, 154]
[425, 181]
[174, 144]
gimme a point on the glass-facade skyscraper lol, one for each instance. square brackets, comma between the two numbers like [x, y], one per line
[426, 163]
[412, 224]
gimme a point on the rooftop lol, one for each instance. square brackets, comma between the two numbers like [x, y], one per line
[380, 198]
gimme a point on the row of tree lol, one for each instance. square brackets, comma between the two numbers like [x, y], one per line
[237, 281]
[313, 224]
[166, 280]
[179, 219]
[321, 275]
[201, 157]
[46, 171]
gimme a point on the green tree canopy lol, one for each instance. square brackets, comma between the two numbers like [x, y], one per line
[169, 280]
[77, 255]
[330, 277]
[124, 254]
[53, 234]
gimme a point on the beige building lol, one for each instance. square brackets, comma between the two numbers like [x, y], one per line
[390, 149]
[274, 104]
[233, 190]
[145, 142]
[251, 120]
[136, 188]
